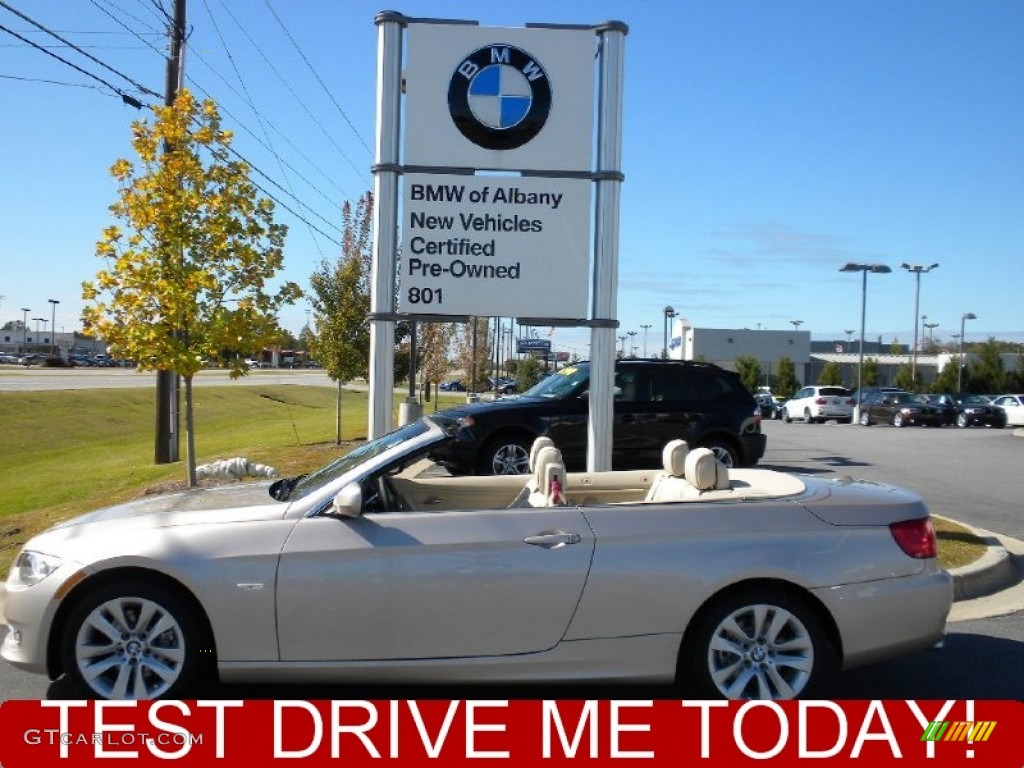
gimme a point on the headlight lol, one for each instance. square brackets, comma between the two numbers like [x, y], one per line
[32, 567]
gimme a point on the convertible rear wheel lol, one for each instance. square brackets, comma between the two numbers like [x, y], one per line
[132, 641]
[756, 644]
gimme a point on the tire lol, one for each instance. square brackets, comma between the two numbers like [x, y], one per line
[758, 643]
[865, 418]
[961, 421]
[897, 420]
[724, 453]
[136, 664]
[505, 455]
[784, 415]
[808, 419]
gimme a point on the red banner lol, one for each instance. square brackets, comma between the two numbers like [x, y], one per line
[466, 732]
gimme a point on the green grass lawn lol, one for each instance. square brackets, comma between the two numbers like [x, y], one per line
[68, 452]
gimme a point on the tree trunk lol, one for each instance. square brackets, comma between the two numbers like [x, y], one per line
[190, 434]
[337, 435]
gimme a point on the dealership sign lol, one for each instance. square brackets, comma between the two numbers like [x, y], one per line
[483, 99]
[495, 245]
[499, 98]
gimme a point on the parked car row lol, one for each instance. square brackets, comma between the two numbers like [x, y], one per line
[890, 405]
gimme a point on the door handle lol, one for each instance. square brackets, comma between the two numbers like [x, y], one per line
[553, 540]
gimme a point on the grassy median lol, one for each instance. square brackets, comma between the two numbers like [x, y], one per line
[68, 452]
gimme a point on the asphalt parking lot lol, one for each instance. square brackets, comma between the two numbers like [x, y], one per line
[972, 475]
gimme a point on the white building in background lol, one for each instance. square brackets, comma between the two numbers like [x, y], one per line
[723, 346]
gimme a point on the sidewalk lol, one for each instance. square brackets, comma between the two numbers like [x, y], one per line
[994, 584]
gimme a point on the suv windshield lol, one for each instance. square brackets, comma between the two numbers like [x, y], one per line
[561, 384]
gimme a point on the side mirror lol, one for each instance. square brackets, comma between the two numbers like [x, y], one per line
[348, 502]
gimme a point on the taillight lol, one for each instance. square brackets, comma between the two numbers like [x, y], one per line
[916, 537]
[851, 401]
[820, 401]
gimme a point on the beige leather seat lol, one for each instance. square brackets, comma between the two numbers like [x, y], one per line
[671, 484]
[548, 482]
[535, 481]
[704, 472]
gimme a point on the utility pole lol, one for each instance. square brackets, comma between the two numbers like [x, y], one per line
[167, 400]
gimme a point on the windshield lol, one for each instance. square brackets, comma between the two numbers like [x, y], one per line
[306, 484]
[905, 397]
[561, 384]
[973, 400]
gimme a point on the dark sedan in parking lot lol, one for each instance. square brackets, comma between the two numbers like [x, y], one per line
[900, 409]
[968, 410]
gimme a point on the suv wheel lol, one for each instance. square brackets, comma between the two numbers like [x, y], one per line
[505, 455]
[784, 415]
[808, 419]
[724, 453]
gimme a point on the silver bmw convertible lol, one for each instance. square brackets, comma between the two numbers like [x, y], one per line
[380, 567]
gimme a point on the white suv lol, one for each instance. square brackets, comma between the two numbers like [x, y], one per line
[819, 404]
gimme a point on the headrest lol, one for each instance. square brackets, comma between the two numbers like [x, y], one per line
[541, 442]
[673, 457]
[702, 469]
[545, 456]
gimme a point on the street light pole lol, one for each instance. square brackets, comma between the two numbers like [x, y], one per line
[53, 324]
[960, 357]
[669, 313]
[24, 328]
[646, 327]
[863, 269]
[916, 269]
[796, 324]
[631, 334]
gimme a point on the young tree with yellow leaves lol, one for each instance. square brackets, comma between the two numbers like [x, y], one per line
[187, 278]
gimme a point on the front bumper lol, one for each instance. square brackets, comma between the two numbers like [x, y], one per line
[29, 613]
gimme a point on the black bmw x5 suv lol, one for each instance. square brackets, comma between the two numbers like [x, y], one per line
[655, 401]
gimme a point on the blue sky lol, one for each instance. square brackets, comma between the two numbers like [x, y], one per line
[765, 144]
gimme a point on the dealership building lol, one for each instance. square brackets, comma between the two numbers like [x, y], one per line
[723, 346]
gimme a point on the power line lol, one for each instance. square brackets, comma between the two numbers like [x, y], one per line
[259, 119]
[291, 90]
[55, 82]
[16, 12]
[318, 79]
[128, 29]
[131, 101]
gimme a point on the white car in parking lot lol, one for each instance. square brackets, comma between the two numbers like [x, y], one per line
[818, 404]
[1013, 407]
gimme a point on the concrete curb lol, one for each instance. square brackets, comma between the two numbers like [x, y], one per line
[993, 585]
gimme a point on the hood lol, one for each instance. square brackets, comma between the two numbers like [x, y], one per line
[233, 503]
[487, 406]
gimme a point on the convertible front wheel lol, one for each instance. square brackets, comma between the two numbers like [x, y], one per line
[756, 644]
[132, 641]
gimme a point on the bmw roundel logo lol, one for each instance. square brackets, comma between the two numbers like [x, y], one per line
[499, 97]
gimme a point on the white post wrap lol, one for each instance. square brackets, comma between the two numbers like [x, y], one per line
[606, 248]
[385, 217]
